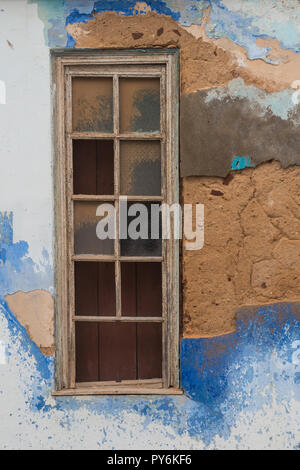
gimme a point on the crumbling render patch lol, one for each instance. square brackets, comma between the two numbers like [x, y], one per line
[251, 254]
[203, 65]
[205, 62]
[35, 311]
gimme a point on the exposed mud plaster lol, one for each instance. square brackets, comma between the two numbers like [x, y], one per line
[252, 246]
[205, 62]
[217, 129]
[35, 311]
[202, 64]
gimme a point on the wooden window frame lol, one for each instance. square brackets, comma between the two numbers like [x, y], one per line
[65, 65]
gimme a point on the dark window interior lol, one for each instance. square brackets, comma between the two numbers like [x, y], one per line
[110, 350]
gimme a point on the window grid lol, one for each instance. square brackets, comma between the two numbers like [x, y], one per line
[116, 136]
[80, 64]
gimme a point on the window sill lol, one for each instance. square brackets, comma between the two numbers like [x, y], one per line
[116, 391]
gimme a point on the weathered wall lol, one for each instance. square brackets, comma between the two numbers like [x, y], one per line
[251, 254]
[239, 63]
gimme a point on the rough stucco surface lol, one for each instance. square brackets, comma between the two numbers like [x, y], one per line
[251, 253]
[35, 311]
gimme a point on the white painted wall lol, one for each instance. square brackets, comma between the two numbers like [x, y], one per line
[25, 126]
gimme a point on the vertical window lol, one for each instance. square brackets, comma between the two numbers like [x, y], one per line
[117, 297]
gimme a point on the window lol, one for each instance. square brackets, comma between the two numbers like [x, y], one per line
[118, 297]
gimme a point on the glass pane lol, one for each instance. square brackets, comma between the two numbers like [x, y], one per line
[141, 289]
[140, 105]
[89, 227]
[140, 165]
[93, 167]
[95, 293]
[92, 104]
[142, 236]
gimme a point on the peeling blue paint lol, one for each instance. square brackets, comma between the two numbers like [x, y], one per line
[127, 7]
[245, 22]
[242, 22]
[240, 163]
[76, 17]
[231, 372]
[71, 42]
[124, 7]
[223, 377]
[17, 270]
[6, 228]
[238, 28]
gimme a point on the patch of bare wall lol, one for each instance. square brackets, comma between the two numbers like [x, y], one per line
[251, 254]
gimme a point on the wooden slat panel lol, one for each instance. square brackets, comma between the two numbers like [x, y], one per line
[106, 289]
[117, 351]
[149, 289]
[87, 361]
[128, 276]
[105, 167]
[149, 350]
[149, 335]
[86, 333]
[95, 295]
[86, 295]
[142, 296]
[84, 166]
[93, 163]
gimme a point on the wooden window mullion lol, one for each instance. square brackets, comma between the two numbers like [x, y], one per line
[117, 194]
